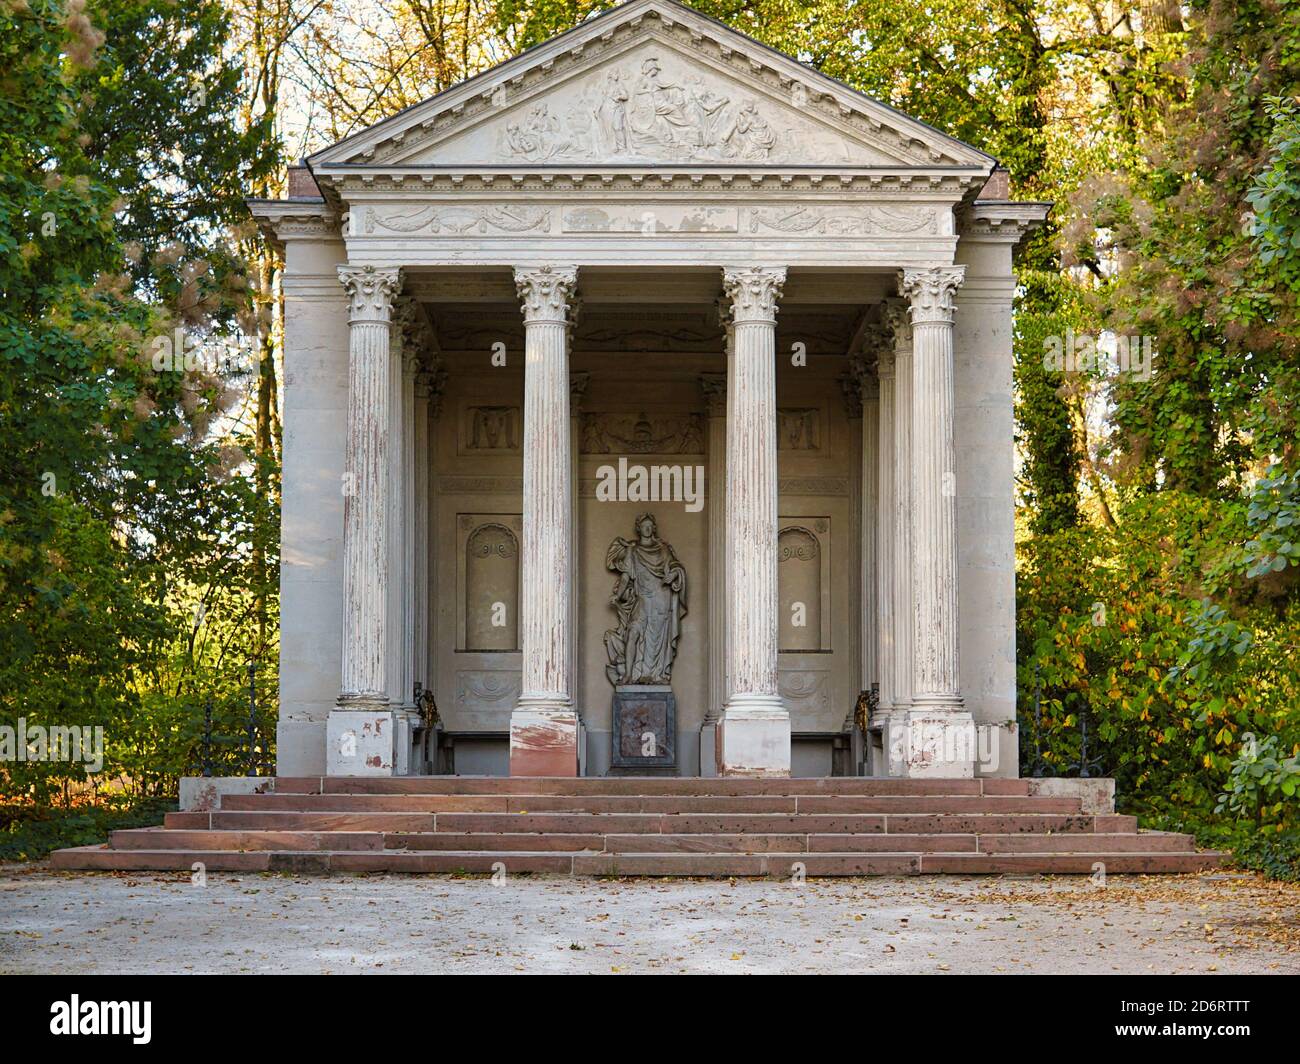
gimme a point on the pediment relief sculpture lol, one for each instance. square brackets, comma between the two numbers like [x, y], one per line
[651, 108]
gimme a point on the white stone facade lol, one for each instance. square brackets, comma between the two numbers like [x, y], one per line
[648, 243]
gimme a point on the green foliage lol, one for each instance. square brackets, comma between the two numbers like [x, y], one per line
[1262, 780]
[1276, 854]
[1220, 295]
[30, 832]
[121, 502]
[1274, 195]
[1170, 684]
[1274, 517]
[1048, 307]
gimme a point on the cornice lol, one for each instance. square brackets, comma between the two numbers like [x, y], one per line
[282, 220]
[1001, 221]
[950, 185]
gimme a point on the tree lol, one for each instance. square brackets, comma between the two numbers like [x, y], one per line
[108, 245]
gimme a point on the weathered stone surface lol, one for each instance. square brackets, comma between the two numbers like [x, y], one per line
[724, 827]
[649, 597]
[204, 793]
[645, 728]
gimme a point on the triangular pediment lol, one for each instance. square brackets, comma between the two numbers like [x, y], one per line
[651, 83]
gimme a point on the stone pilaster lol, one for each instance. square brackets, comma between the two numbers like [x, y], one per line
[754, 736]
[420, 630]
[405, 311]
[714, 387]
[862, 405]
[428, 388]
[410, 503]
[941, 732]
[901, 338]
[544, 731]
[363, 704]
[578, 384]
[886, 659]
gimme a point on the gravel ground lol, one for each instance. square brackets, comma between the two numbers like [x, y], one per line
[75, 923]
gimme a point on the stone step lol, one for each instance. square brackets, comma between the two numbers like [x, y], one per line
[779, 865]
[645, 842]
[663, 803]
[778, 823]
[644, 785]
[1070, 863]
[189, 839]
[1142, 842]
[678, 824]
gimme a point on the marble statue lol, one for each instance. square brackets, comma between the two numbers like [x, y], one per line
[650, 597]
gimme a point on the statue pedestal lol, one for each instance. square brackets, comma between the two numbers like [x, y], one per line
[645, 731]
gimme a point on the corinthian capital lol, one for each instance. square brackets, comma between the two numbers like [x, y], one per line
[371, 290]
[753, 291]
[895, 321]
[545, 292]
[714, 387]
[930, 292]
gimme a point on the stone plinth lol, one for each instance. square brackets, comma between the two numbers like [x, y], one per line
[544, 741]
[645, 730]
[201, 794]
[367, 743]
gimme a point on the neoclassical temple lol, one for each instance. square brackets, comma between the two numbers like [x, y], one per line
[648, 409]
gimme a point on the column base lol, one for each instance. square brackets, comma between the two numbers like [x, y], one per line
[545, 740]
[366, 742]
[753, 737]
[929, 743]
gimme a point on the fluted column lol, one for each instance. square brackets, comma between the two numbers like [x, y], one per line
[410, 503]
[428, 383]
[544, 725]
[754, 736]
[578, 384]
[942, 735]
[870, 641]
[714, 387]
[886, 660]
[365, 504]
[862, 405]
[405, 310]
[895, 312]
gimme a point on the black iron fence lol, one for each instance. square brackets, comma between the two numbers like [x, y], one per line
[234, 737]
[1087, 762]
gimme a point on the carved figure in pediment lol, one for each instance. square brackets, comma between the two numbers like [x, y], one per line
[708, 110]
[660, 112]
[757, 138]
[613, 111]
[653, 112]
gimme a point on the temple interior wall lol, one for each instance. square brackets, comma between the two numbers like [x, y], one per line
[648, 408]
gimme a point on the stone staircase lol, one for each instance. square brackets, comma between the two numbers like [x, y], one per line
[646, 827]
